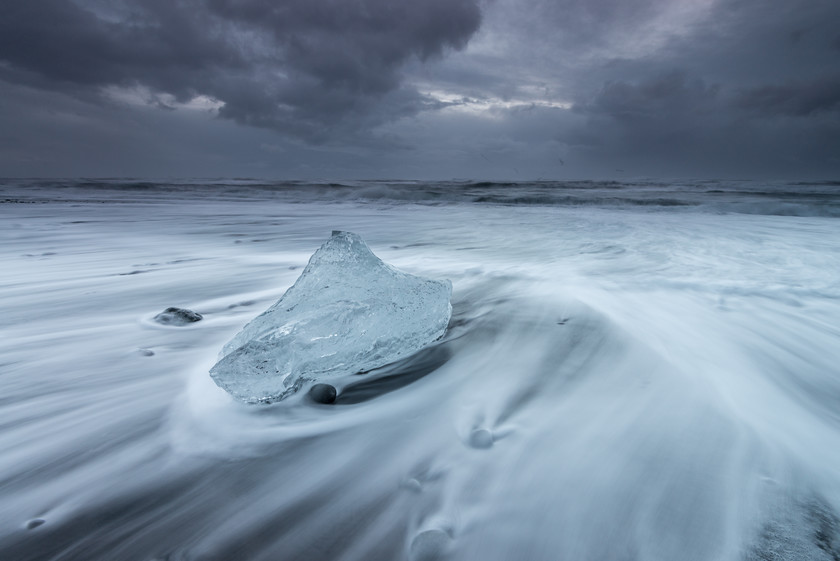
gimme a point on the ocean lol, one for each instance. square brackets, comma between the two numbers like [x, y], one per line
[634, 370]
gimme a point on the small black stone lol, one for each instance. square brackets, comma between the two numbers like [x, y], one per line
[177, 316]
[34, 523]
[322, 393]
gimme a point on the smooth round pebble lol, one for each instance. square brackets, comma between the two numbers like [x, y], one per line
[34, 523]
[322, 393]
[429, 545]
[481, 438]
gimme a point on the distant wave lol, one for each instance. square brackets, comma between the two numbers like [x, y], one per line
[806, 198]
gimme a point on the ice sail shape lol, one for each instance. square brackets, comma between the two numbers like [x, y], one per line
[347, 312]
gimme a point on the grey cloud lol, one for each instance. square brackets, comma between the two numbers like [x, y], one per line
[308, 68]
[793, 98]
[673, 103]
[62, 43]
[677, 124]
[663, 98]
[592, 21]
[578, 26]
[678, 87]
[356, 44]
[746, 43]
[756, 92]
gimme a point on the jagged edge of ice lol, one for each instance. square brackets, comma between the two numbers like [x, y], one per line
[247, 335]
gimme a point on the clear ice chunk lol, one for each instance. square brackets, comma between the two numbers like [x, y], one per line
[348, 312]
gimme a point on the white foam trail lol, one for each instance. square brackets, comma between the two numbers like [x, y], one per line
[618, 384]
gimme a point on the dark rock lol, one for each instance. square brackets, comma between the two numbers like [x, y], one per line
[34, 523]
[177, 316]
[322, 393]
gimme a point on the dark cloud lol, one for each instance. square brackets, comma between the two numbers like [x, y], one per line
[356, 44]
[422, 88]
[667, 99]
[308, 68]
[794, 98]
[695, 87]
[159, 44]
[596, 22]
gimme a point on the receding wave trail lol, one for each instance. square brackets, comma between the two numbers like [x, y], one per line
[619, 381]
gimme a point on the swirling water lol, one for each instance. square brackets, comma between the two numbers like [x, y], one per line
[633, 371]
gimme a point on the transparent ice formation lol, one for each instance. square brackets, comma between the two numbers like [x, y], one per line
[348, 312]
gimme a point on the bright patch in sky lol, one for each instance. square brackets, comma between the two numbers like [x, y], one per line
[142, 96]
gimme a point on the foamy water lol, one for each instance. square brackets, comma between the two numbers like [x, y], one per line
[641, 371]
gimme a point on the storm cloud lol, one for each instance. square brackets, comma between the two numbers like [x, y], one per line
[301, 67]
[426, 88]
[794, 98]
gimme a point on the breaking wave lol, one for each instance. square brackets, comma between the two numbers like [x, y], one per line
[819, 199]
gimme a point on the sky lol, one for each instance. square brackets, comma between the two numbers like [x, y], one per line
[421, 89]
